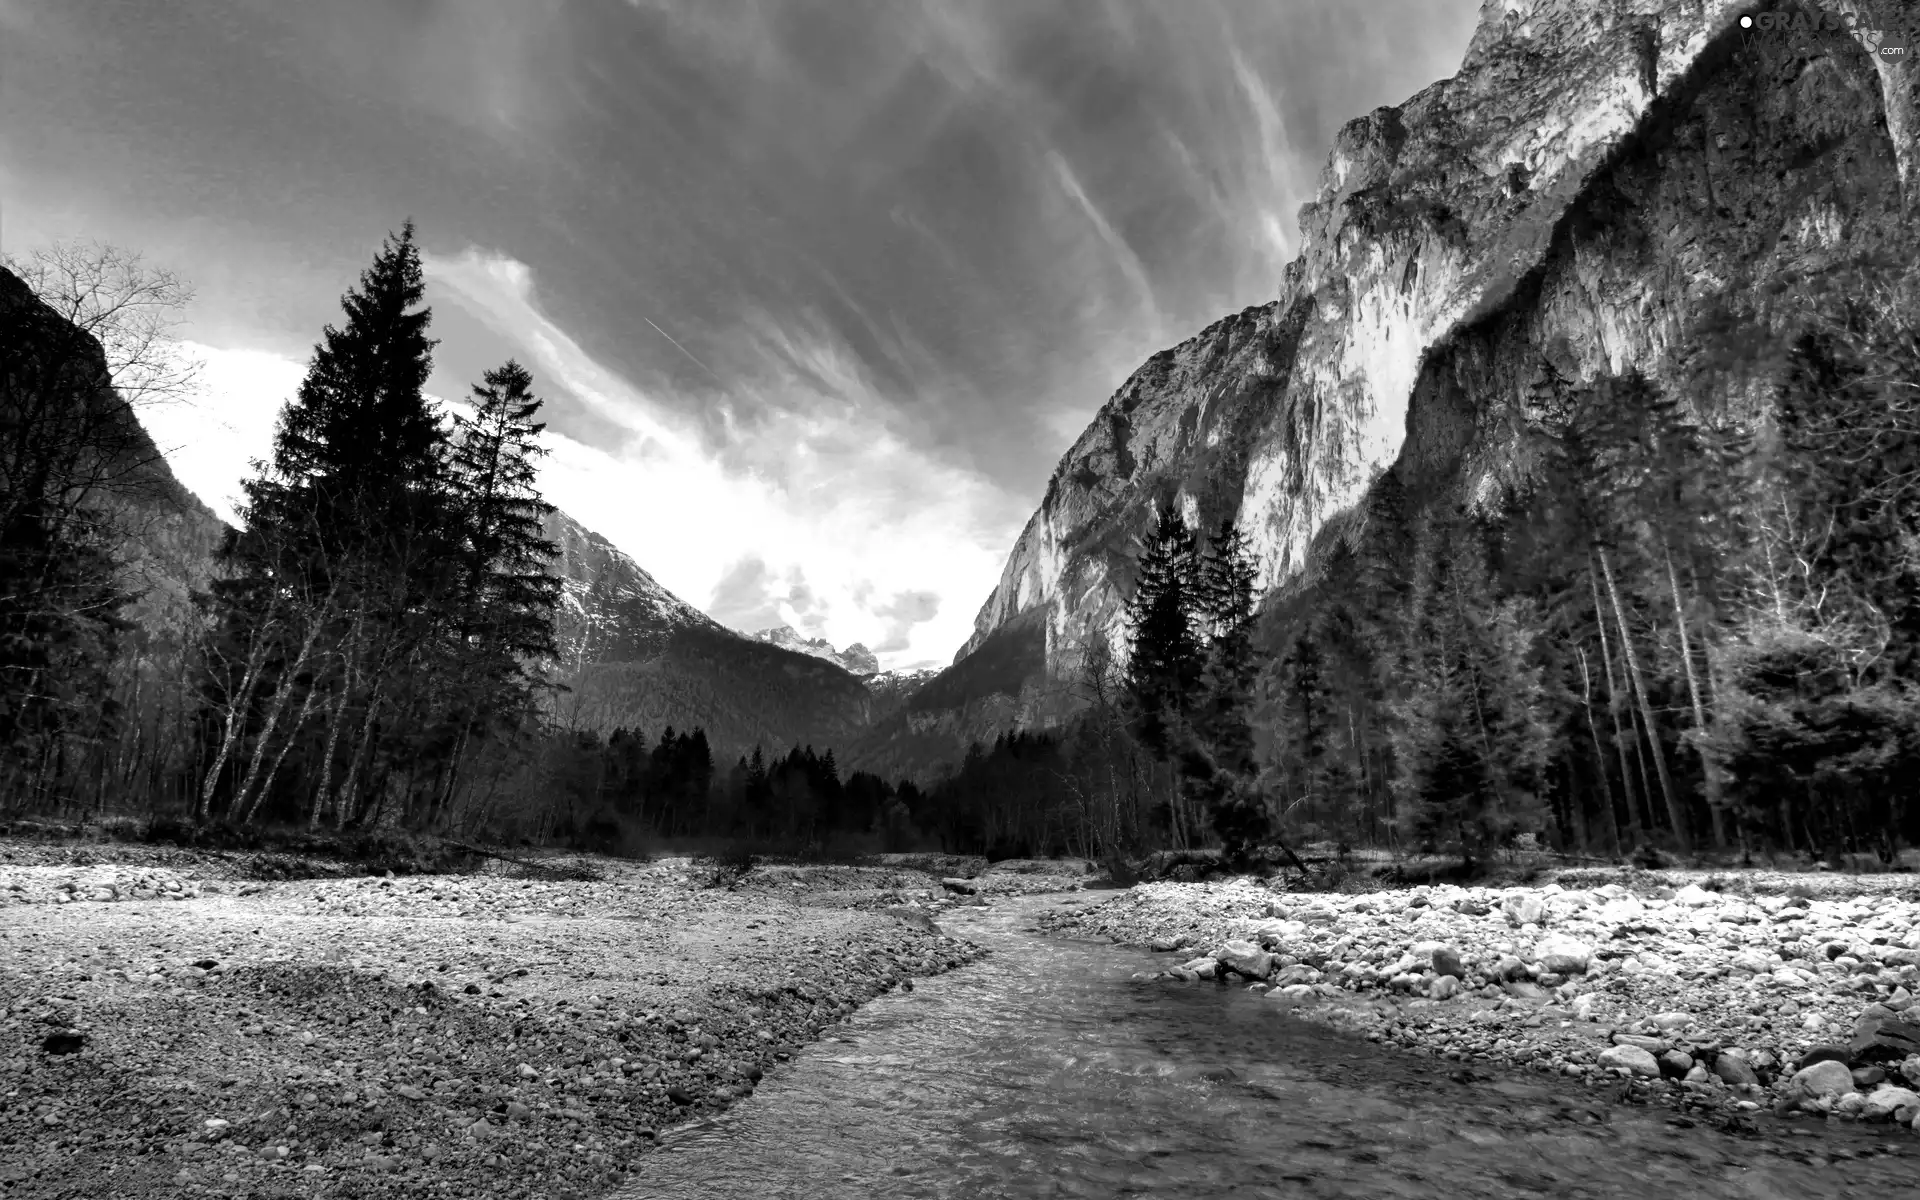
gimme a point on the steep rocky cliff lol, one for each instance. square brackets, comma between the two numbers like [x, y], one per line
[1594, 182]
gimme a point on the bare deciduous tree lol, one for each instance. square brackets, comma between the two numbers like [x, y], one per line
[132, 309]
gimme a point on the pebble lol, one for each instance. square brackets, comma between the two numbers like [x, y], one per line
[1891, 1103]
[1631, 1058]
[1825, 1078]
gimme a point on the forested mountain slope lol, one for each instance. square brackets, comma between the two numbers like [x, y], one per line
[637, 656]
[1598, 188]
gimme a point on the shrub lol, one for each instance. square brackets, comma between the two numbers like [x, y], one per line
[728, 866]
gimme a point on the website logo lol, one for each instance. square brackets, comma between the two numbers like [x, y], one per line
[1819, 32]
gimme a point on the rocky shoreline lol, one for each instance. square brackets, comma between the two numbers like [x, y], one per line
[1723, 993]
[175, 1028]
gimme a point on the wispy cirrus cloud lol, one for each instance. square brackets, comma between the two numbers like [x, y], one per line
[870, 264]
[806, 514]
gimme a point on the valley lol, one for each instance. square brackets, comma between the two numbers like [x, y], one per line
[1448, 719]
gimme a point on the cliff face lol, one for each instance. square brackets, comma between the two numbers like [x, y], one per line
[1594, 181]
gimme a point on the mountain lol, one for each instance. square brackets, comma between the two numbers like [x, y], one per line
[1595, 183]
[611, 609]
[1001, 686]
[636, 655]
[855, 659]
[639, 656]
[166, 535]
[894, 688]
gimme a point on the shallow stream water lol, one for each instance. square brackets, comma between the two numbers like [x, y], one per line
[1044, 1070]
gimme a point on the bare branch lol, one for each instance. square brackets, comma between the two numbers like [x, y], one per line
[129, 307]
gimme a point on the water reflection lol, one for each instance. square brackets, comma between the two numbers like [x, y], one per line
[1044, 1071]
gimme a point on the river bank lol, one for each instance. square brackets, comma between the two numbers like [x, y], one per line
[1049, 1069]
[170, 1026]
[1725, 993]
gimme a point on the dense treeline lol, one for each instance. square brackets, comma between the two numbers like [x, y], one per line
[619, 789]
[1689, 623]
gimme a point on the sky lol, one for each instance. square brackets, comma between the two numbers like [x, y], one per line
[816, 292]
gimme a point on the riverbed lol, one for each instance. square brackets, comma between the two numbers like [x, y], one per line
[1047, 1070]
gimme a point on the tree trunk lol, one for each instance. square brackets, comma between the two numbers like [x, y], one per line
[1674, 813]
[1599, 752]
[1710, 777]
[235, 716]
[299, 722]
[443, 799]
[244, 802]
[350, 786]
[323, 794]
[1613, 711]
[324, 799]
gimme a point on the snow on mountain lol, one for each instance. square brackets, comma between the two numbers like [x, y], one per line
[856, 659]
[611, 608]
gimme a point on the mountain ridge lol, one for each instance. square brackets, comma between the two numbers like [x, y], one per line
[856, 659]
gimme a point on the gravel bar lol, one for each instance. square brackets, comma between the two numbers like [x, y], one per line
[169, 1028]
[1725, 993]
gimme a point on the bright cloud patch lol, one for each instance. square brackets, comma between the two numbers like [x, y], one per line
[816, 514]
[209, 440]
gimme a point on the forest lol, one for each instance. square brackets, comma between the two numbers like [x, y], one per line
[1670, 623]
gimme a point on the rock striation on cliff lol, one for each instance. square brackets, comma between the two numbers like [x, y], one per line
[1595, 180]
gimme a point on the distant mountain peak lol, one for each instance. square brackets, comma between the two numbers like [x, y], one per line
[856, 659]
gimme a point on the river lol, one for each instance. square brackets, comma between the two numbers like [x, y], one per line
[1045, 1070]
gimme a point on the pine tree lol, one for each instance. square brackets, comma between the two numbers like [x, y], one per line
[1221, 770]
[1164, 650]
[1226, 575]
[1469, 742]
[501, 617]
[508, 591]
[338, 585]
[1304, 731]
[359, 446]
[759, 794]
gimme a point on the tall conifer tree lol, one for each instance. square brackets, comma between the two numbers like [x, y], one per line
[508, 591]
[1165, 651]
[339, 580]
